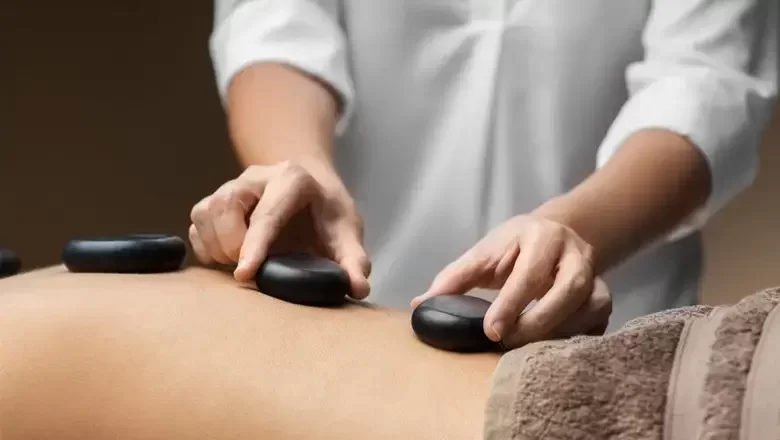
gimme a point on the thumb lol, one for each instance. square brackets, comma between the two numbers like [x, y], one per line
[457, 278]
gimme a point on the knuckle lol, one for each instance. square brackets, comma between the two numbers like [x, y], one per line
[284, 166]
[365, 263]
[199, 210]
[218, 202]
[254, 178]
[361, 230]
[367, 266]
[296, 176]
[580, 281]
[197, 244]
[535, 325]
[229, 194]
[240, 194]
[533, 228]
[586, 251]
[589, 258]
[357, 223]
[358, 259]
[535, 281]
[266, 220]
[252, 172]
[577, 263]
[557, 231]
[290, 170]
[192, 232]
[229, 189]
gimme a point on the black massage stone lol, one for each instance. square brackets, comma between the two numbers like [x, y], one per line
[453, 323]
[303, 279]
[10, 264]
[141, 254]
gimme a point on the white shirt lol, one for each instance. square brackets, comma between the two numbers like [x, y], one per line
[463, 113]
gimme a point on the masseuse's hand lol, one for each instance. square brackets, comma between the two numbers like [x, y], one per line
[280, 208]
[528, 258]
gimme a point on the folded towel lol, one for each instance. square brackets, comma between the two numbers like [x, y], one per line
[696, 372]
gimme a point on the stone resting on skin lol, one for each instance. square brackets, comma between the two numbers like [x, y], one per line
[194, 355]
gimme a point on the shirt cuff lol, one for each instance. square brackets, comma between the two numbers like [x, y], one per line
[297, 33]
[723, 116]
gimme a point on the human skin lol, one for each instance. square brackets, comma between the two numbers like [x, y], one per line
[277, 113]
[652, 184]
[281, 122]
[196, 355]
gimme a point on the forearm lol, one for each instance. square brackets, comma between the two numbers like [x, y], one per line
[651, 185]
[277, 113]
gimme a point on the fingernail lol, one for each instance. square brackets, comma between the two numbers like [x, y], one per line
[240, 268]
[498, 328]
[417, 300]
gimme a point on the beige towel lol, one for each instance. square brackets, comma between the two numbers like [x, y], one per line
[691, 373]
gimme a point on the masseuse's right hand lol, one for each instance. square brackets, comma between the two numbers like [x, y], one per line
[280, 208]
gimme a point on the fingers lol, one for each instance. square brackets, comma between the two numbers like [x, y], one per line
[231, 203]
[219, 221]
[342, 232]
[203, 255]
[572, 287]
[243, 218]
[531, 277]
[201, 217]
[592, 318]
[351, 256]
[458, 277]
[286, 192]
[228, 208]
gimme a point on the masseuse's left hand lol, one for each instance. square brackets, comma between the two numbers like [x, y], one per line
[531, 257]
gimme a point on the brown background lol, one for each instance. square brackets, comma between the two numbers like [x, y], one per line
[110, 123]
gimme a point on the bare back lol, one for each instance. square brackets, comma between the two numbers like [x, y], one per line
[194, 355]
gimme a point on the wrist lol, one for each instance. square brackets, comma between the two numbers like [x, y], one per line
[561, 209]
[577, 214]
[322, 169]
[277, 113]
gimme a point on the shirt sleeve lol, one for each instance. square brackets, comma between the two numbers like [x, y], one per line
[710, 74]
[304, 34]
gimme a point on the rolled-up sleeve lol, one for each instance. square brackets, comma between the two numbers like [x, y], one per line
[709, 74]
[304, 34]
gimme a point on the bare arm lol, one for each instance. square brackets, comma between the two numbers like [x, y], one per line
[653, 183]
[194, 355]
[277, 113]
[282, 72]
[685, 143]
